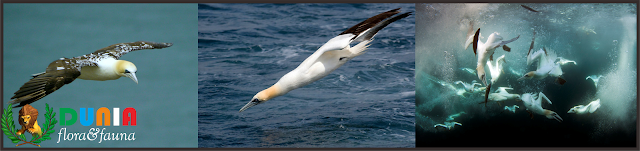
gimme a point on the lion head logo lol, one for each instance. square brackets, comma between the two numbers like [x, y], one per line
[28, 118]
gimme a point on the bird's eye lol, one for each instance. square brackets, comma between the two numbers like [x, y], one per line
[255, 100]
[126, 71]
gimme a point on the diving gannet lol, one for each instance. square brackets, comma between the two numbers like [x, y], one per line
[469, 87]
[496, 70]
[447, 125]
[100, 65]
[469, 70]
[329, 56]
[533, 103]
[501, 95]
[511, 108]
[589, 108]
[563, 61]
[595, 79]
[453, 116]
[546, 66]
[484, 51]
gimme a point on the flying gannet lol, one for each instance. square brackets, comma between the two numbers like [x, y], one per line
[100, 65]
[595, 79]
[589, 108]
[329, 56]
[533, 103]
[496, 70]
[546, 66]
[484, 51]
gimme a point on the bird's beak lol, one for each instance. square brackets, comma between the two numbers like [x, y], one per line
[250, 104]
[132, 76]
[521, 78]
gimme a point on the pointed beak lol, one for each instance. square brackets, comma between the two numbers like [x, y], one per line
[250, 104]
[132, 76]
[521, 78]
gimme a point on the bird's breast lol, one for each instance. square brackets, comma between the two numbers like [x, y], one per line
[97, 73]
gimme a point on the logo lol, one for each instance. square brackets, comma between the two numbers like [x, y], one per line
[102, 118]
[28, 119]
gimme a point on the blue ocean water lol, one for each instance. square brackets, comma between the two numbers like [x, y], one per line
[600, 38]
[245, 48]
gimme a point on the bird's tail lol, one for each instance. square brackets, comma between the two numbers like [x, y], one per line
[360, 48]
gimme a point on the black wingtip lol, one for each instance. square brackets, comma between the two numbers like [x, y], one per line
[529, 8]
[475, 41]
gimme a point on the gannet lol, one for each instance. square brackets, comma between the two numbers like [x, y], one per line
[589, 108]
[595, 79]
[447, 125]
[469, 70]
[100, 65]
[484, 51]
[329, 56]
[496, 70]
[511, 108]
[469, 87]
[563, 61]
[501, 95]
[546, 66]
[453, 116]
[533, 103]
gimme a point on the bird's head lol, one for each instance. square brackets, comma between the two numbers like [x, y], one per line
[127, 69]
[527, 75]
[263, 96]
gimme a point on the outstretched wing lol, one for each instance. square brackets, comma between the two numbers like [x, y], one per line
[362, 31]
[116, 51]
[43, 85]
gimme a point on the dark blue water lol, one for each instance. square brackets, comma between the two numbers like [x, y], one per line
[245, 48]
[601, 38]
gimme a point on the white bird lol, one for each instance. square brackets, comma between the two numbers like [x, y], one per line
[563, 61]
[453, 116]
[595, 79]
[484, 51]
[495, 70]
[468, 70]
[511, 108]
[533, 103]
[589, 108]
[447, 125]
[502, 95]
[546, 66]
[469, 87]
[100, 65]
[329, 56]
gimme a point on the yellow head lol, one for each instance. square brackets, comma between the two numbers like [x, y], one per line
[127, 69]
[527, 75]
[263, 96]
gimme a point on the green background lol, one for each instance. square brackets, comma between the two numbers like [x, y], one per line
[165, 98]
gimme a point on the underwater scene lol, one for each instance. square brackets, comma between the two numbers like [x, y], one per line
[526, 75]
